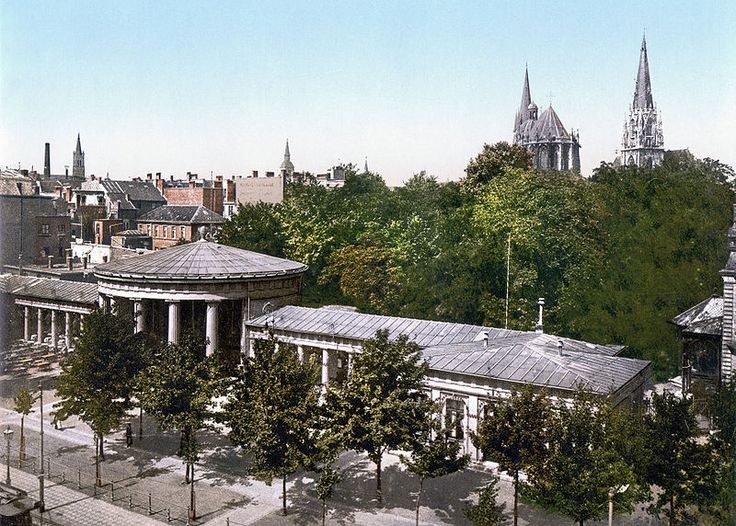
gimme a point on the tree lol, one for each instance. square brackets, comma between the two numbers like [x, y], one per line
[684, 469]
[487, 512]
[177, 389]
[255, 227]
[434, 453]
[583, 465]
[23, 405]
[96, 380]
[514, 434]
[379, 406]
[493, 161]
[328, 479]
[272, 411]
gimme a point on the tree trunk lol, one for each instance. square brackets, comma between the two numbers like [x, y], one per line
[102, 447]
[283, 495]
[192, 502]
[419, 495]
[22, 445]
[516, 498]
[324, 512]
[672, 510]
[379, 493]
[581, 523]
[98, 479]
[140, 424]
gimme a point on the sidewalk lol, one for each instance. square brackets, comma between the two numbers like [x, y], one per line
[68, 506]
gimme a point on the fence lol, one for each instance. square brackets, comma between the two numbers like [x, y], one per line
[117, 488]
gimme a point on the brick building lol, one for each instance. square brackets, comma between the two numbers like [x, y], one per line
[171, 225]
[193, 191]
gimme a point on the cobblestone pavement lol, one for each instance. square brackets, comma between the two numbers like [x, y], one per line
[225, 493]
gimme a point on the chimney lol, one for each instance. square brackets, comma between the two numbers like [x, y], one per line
[84, 262]
[540, 326]
[92, 177]
[269, 174]
[47, 160]
[485, 340]
[192, 183]
[230, 195]
[66, 172]
[171, 178]
[255, 173]
[149, 177]
[159, 184]
[158, 175]
[559, 347]
[69, 264]
[51, 261]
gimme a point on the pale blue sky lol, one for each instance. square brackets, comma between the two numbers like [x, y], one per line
[218, 86]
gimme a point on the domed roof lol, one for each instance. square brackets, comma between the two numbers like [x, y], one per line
[201, 260]
[287, 166]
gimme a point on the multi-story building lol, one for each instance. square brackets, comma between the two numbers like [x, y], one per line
[171, 225]
[194, 191]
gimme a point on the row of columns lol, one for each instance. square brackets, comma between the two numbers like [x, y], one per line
[325, 370]
[52, 329]
[174, 316]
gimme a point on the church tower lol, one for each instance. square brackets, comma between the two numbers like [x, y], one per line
[78, 161]
[728, 335]
[287, 167]
[643, 141]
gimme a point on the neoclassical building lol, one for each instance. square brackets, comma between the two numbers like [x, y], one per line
[553, 147]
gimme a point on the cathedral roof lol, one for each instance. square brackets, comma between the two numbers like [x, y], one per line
[643, 93]
[548, 125]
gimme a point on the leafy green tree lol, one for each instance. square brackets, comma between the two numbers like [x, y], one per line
[487, 512]
[96, 380]
[583, 465]
[683, 468]
[272, 412]
[328, 479]
[434, 453]
[255, 227]
[379, 407]
[23, 405]
[177, 389]
[493, 161]
[515, 436]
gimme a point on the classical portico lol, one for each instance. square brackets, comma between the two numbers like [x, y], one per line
[204, 287]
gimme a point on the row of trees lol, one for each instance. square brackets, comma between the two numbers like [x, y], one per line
[572, 455]
[616, 256]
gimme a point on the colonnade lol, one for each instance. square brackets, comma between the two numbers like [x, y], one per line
[53, 315]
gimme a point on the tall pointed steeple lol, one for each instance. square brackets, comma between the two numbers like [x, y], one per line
[287, 167]
[365, 166]
[78, 160]
[526, 99]
[643, 94]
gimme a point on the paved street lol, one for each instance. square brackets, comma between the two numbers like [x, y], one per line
[223, 490]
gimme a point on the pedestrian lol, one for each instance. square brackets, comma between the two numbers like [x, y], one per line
[128, 435]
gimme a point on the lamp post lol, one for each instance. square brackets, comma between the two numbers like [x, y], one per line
[8, 435]
[611, 493]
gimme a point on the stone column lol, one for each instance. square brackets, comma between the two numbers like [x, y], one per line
[473, 415]
[39, 325]
[102, 301]
[53, 328]
[211, 329]
[243, 328]
[350, 363]
[26, 323]
[325, 368]
[139, 314]
[300, 353]
[68, 329]
[173, 321]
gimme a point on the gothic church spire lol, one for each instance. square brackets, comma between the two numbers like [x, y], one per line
[643, 94]
[526, 100]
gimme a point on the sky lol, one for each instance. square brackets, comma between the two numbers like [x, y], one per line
[218, 87]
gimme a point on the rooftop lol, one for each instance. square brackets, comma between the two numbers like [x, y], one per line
[49, 288]
[704, 318]
[201, 260]
[189, 214]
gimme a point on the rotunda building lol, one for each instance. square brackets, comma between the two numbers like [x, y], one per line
[204, 287]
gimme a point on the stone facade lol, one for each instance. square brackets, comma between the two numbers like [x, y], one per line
[553, 147]
[643, 141]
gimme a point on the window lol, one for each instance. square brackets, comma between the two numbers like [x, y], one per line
[454, 417]
[155, 231]
[44, 229]
[61, 229]
[183, 233]
[173, 232]
[166, 232]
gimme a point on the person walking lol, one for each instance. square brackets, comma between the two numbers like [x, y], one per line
[128, 435]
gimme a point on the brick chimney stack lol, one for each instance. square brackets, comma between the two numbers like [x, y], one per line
[47, 161]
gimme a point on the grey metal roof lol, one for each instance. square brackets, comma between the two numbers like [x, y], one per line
[131, 233]
[547, 126]
[189, 214]
[704, 318]
[197, 261]
[49, 289]
[426, 333]
[534, 359]
[137, 190]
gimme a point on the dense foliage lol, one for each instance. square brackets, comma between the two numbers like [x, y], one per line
[616, 256]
